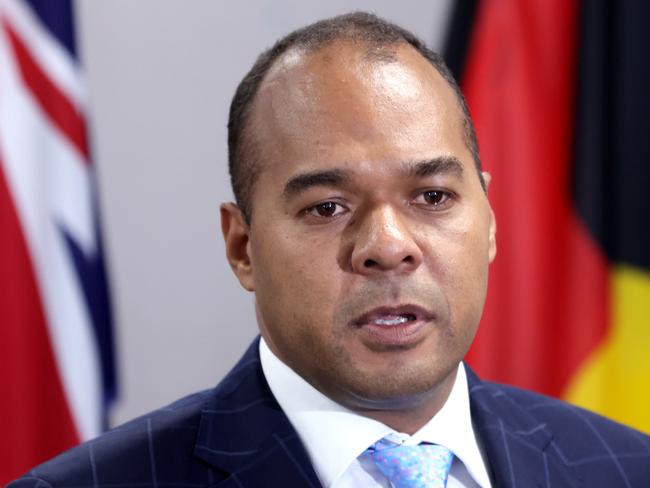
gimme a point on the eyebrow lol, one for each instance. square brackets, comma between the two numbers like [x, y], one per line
[431, 167]
[304, 181]
[338, 177]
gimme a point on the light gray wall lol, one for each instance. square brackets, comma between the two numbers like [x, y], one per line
[161, 74]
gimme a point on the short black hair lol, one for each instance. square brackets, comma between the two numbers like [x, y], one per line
[362, 27]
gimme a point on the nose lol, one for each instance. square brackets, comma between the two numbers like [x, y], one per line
[384, 243]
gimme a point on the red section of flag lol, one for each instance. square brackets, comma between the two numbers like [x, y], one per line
[35, 422]
[546, 307]
[60, 110]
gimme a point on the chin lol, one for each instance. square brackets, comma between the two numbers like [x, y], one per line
[399, 386]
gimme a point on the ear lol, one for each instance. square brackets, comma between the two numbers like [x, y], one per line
[493, 236]
[235, 235]
[492, 242]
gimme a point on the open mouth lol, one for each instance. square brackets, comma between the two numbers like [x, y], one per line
[393, 316]
[391, 320]
[388, 328]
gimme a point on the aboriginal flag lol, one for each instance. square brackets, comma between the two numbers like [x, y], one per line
[560, 95]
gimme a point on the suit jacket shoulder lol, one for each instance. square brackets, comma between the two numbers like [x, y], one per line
[534, 440]
[231, 436]
[142, 452]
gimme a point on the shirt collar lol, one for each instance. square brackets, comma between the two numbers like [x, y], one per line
[335, 436]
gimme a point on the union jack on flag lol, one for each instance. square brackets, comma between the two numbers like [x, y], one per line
[57, 376]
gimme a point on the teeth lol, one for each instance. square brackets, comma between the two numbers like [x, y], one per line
[392, 320]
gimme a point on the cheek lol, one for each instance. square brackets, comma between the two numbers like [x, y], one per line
[460, 258]
[295, 280]
[284, 260]
[274, 268]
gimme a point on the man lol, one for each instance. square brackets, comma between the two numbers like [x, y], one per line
[363, 227]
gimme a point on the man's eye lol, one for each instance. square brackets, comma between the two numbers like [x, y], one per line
[433, 198]
[326, 209]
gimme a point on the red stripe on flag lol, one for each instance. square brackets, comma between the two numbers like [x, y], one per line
[52, 101]
[35, 420]
[546, 307]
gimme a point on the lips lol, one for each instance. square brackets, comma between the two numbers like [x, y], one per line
[393, 316]
[399, 326]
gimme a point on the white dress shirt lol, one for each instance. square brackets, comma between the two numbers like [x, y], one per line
[336, 437]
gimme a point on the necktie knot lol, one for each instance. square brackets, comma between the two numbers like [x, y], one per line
[424, 465]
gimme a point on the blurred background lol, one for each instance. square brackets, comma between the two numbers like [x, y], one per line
[115, 296]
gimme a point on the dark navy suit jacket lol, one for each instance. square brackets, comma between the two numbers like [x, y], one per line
[236, 435]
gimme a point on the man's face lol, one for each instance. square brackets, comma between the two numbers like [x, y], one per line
[371, 235]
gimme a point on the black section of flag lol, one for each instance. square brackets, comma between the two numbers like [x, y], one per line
[459, 35]
[611, 185]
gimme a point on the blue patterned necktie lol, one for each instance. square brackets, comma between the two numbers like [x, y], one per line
[424, 465]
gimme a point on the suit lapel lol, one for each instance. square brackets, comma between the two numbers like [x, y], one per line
[245, 435]
[515, 442]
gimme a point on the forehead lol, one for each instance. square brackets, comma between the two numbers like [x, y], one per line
[339, 104]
